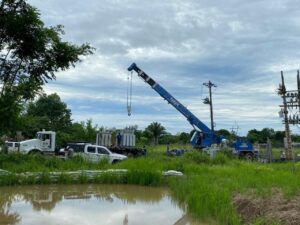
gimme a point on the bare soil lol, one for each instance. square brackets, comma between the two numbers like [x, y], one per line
[276, 208]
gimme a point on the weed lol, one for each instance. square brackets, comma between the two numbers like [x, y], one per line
[220, 159]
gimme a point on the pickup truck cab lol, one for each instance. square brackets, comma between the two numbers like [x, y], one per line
[96, 153]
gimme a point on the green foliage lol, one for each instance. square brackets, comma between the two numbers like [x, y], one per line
[256, 136]
[184, 138]
[223, 132]
[84, 131]
[90, 131]
[38, 163]
[205, 200]
[253, 136]
[65, 179]
[44, 178]
[9, 179]
[30, 55]
[77, 131]
[58, 116]
[30, 124]
[220, 159]
[144, 177]
[10, 109]
[168, 139]
[197, 157]
[155, 130]
[110, 178]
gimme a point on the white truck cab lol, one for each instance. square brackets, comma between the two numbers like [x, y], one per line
[12, 146]
[43, 143]
[96, 153]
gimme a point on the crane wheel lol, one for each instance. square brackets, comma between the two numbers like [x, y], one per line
[249, 157]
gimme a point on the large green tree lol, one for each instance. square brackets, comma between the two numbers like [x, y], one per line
[30, 54]
[253, 135]
[225, 133]
[58, 116]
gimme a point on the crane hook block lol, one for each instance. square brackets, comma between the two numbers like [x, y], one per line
[129, 110]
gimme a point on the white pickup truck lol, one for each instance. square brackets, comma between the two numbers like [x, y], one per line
[95, 153]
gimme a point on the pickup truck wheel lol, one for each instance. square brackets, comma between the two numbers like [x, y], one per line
[130, 154]
[115, 161]
[70, 153]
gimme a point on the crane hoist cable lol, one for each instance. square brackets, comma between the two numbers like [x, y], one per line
[129, 92]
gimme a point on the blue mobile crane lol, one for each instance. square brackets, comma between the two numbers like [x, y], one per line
[203, 137]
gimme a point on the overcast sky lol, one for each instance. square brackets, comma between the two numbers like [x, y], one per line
[241, 46]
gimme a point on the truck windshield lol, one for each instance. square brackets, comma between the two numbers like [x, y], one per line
[39, 136]
[103, 151]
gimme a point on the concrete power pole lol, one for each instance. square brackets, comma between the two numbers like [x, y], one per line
[288, 146]
[298, 86]
[209, 101]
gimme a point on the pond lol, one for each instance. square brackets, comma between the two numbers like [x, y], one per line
[90, 204]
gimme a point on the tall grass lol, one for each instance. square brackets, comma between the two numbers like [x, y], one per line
[207, 187]
[18, 163]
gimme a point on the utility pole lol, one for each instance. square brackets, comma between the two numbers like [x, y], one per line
[298, 86]
[288, 146]
[235, 129]
[209, 102]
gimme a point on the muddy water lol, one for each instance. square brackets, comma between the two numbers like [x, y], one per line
[90, 204]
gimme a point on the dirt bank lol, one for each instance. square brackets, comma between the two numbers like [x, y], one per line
[275, 208]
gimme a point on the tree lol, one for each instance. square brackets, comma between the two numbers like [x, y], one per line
[90, 131]
[253, 135]
[155, 130]
[77, 132]
[265, 134]
[30, 54]
[223, 132]
[184, 137]
[168, 138]
[30, 125]
[279, 135]
[51, 107]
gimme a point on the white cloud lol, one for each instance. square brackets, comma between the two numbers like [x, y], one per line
[239, 45]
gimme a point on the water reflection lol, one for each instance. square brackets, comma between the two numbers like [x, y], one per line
[90, 204]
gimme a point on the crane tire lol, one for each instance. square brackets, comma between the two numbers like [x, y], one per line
[249, 157]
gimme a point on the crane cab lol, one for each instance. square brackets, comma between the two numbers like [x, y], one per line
[203, 140]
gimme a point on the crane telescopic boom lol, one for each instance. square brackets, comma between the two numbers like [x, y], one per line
[200, 139]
